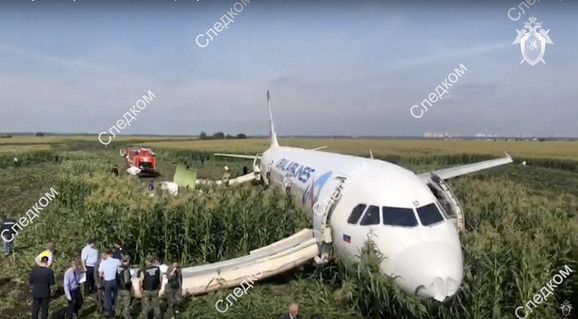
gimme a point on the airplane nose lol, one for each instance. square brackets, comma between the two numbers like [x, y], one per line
[441, 289]
[433, 270]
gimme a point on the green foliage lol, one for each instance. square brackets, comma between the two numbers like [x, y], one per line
[26, 159]
[519, 234]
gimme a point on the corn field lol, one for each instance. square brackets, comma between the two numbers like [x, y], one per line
[521, 230]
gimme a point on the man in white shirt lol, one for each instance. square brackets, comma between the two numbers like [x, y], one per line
[107, 270]
[89, 257]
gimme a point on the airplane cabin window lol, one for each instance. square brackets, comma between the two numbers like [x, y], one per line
[429, 214]
[371, 216]
[395, 216]
[356, 214]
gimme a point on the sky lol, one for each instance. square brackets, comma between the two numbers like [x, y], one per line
[341, 67]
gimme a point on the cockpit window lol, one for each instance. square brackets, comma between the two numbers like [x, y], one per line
[395, 216]
[429, 214]
[356, 214]
[371, 216]
[443, 210]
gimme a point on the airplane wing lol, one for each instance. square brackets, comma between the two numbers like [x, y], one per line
[238, 180]
[233, 181]
[451, 172]
[236, 155]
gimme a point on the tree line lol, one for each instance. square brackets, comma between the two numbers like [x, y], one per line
[220, 136]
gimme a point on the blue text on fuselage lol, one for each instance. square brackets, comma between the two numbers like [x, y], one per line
[302, 172]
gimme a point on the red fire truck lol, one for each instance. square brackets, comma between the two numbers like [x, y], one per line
[141, 158]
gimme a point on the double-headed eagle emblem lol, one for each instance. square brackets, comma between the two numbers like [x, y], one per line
[533, 39]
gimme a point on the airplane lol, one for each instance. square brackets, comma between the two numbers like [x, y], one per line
[413, 219]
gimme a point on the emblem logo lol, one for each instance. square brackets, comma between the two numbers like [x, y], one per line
[533, 39]
[312, 191]
[566, 308]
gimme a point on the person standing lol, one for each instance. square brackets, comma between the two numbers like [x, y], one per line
[89, 257]
[41, 278]
[117, 251]
[8, 234]
[107, 271]
[173, 289]
[150, 284]
[114, 170]
[124, 283]
[72, 278]
[293, 312]
[99, 284]
[226, 176]
[48, 253]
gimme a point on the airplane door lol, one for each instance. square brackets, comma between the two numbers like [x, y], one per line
[257, 165]
[447, 200]
[323, 208]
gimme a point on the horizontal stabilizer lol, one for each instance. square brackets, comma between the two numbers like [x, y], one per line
[318, 148]
[185, 177]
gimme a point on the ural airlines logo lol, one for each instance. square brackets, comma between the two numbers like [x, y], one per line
[302, 172]
[533, 39]
[312, 191]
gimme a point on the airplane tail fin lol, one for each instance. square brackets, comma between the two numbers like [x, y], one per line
[272, 133]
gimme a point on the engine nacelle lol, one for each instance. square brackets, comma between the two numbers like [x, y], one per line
[448, 200]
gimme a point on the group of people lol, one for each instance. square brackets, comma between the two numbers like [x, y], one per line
[108, 278]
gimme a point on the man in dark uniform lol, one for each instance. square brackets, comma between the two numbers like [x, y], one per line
[41, 278]
[124, 282]
[117, 251]
[173, 289]
[293, 312]
[8, 234]
[99, 284]
[150, 283]
[114, 170]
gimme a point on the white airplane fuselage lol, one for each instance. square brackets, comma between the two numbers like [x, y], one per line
[425, 259]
